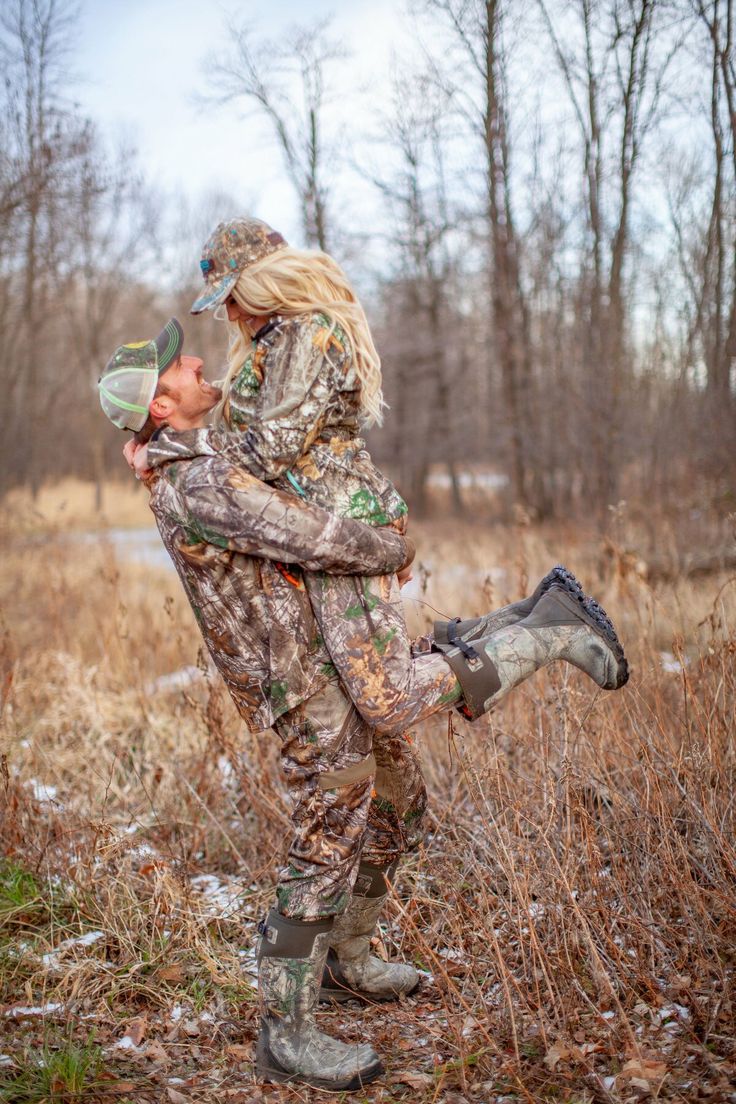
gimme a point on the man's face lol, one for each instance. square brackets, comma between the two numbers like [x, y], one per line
[183, 397]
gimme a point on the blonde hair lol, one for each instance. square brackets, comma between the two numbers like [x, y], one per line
[291, 282]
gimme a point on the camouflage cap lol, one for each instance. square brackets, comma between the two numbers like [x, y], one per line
[131, 376]
[230, 248]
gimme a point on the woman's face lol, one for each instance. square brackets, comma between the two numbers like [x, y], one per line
[235, 313]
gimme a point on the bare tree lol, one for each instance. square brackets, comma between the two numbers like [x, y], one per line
[420, 331]
[45, 142]
[287, 82]
[477, 76]
[615, 79]
[716, 315]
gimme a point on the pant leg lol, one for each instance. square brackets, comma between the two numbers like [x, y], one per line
[363, 626]
[396, 814]
[326, 753]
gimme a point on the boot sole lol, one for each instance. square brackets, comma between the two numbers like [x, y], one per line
[271, 1071]
[593, 614]
[341, 995]
[560, 576]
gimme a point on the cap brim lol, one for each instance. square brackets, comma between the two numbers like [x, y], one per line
[169, 344]
[214, 295]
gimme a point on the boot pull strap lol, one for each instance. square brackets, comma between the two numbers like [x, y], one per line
[457, 641]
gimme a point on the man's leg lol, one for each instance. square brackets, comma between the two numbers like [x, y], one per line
[329, 765]
[394, 827]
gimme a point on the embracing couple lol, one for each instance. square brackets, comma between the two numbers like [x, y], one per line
[291, 547]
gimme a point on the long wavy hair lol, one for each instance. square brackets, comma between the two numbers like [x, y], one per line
[291, 282]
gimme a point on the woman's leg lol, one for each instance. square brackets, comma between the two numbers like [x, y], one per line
[364, 629]
[362, 623]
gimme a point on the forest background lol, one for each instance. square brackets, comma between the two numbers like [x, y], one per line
[537, 204]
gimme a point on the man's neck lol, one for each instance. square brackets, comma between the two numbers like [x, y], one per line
[181, 424]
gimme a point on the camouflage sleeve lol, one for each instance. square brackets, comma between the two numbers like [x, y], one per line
[301, 369]
[228, 508]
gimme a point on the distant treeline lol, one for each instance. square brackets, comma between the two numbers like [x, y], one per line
[557, 288]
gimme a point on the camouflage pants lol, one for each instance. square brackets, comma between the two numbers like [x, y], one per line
[356, 780]
[356, 795]
[364, 629]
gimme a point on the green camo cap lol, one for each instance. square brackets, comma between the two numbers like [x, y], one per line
[131, 376]
[230, 248]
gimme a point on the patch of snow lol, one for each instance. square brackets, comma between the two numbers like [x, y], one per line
[225, 768]
[42, 791]
[452, 953]
[144, 851]
[671, 664]
[608, 1082]
[610, 1015]
[34, 1010]
[51, 958]
[670, 1016]
[126, 1043]
[221, 898]
[6, 1060]
[175, 680]
[176, 1013]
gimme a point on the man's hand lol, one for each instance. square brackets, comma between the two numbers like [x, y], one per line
[137, 458]
[404, 574]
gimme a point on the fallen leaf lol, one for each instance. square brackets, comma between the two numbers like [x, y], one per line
[176, 1097]
[644, 1069]
[170, 973]
[136, 1030]
[156, 1053]
[414, 1080]
[555, 1054]
[239, 1052]
[152, 867]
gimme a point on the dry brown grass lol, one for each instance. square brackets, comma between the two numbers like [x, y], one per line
[574, 900]
[71, 504]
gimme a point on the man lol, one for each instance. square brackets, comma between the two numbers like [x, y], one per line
[357, 799]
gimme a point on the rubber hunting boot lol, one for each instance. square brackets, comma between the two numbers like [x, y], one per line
[560, 626]
[291, 961]
[352, 972]
[450, 633]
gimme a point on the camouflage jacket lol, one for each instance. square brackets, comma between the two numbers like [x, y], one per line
[293, 413]
[230, 538]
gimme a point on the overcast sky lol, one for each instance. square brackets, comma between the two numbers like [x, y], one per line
[141, 65]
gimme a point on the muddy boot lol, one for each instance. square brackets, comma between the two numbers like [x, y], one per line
[449, 633]
[560, 626]
[352, 972]
[291, 960]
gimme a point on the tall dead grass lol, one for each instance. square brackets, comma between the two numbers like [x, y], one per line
[574, 899]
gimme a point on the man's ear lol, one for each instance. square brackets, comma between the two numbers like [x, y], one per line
[160, 407]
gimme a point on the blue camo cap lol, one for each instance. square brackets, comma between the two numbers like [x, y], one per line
[230, 248]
